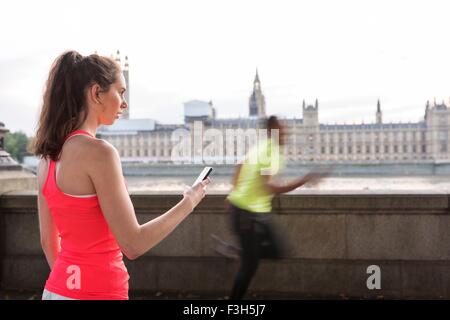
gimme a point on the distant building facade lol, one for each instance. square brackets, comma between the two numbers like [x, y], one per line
[145, 140]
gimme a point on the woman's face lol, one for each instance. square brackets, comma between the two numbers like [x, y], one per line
[113, 101]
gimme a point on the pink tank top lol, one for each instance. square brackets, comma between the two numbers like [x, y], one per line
[89, 265]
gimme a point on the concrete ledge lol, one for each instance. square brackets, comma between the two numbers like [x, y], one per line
[332, 239]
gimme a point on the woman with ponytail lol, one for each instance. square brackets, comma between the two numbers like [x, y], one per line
[86, 217]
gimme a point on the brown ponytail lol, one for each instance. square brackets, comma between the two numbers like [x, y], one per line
[64, 106]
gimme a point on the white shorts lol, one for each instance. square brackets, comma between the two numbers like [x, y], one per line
[47, 295]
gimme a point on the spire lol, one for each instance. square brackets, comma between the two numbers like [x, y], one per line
[257, 104]
[125, 68]
[379, 117]
[304, 104]
[427, 109]
[435, 101]
[118, 56]
[256, 76]
[317, 104]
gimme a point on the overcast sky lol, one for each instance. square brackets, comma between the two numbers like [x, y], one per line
[345, 53]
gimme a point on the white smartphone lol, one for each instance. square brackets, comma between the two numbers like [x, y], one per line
[203, 175]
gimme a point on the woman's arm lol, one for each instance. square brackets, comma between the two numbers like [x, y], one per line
[48, 232]
[134, 239]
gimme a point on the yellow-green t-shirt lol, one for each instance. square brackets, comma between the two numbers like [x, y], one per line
[249, 193]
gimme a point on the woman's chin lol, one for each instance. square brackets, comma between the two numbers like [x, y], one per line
[110, 122]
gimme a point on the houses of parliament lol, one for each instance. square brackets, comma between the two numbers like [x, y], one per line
[146, 140]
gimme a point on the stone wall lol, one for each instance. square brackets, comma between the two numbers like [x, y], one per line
[332, 239]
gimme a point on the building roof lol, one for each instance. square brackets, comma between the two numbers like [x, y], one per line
[170, 127]
[441, 107]
[236, 121]
[373, 126]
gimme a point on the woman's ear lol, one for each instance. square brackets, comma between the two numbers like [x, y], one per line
[94, 94]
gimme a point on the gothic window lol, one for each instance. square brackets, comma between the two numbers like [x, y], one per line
[386, 149]
[405, 149]
[424, 148]
[395, 149]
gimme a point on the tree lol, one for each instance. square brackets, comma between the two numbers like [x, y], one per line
[16, 145]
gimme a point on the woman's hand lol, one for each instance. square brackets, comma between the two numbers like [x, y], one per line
[193, 195]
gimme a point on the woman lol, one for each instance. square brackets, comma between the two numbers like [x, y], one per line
[86, 217]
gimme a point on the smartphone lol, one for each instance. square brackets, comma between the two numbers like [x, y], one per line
[203, 175]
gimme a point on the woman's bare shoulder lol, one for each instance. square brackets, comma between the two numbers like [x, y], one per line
[91, 148]
[100, 152]
[102, 164]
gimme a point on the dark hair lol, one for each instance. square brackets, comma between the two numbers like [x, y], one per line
[64, 106]
[272, 122]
